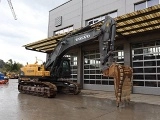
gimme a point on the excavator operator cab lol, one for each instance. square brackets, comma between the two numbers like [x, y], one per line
[64, 69]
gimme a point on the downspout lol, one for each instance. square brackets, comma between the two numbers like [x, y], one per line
[82, 14]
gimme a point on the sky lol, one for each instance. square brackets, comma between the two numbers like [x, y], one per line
[31, 25]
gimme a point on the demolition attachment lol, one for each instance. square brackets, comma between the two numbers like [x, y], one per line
[122, 81]
[122, 74]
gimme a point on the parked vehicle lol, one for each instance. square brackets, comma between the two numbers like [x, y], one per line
[12, 75]
[3, 79]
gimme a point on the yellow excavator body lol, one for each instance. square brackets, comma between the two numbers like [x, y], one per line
[34, 70]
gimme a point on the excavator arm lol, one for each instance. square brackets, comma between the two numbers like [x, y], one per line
[121, 74]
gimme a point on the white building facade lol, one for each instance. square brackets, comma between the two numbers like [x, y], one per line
[141, 51]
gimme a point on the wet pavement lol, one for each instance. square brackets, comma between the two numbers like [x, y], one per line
[89, 105]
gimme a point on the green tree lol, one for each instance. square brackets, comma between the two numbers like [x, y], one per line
[2, 63]
[10, 66]
[14, 67]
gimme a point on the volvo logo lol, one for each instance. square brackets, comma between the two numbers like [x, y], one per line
[82, 37]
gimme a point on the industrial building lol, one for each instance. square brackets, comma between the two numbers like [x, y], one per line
[137, 41]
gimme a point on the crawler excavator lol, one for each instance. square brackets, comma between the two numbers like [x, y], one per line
[51, 77]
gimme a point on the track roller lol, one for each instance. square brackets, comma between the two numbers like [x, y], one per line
[69, 87]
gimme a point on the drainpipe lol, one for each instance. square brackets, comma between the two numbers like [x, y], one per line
[82, 14]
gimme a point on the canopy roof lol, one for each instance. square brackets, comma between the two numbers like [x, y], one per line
[132, 23]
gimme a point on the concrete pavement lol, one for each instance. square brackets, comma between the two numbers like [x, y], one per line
[88, 105]
[138, 98]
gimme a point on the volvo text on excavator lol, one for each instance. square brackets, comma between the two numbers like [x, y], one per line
[51, 77]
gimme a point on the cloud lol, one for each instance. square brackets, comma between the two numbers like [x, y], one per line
[31, 25]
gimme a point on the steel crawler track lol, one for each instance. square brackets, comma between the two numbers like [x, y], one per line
[44, 89]
[48, 89]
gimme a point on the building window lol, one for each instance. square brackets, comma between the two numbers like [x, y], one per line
[73, 62]
[58, 21]
[92, 70]
[65, 30]
[145, 4]
[119, 54]
[100, 18]
[146, 64]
